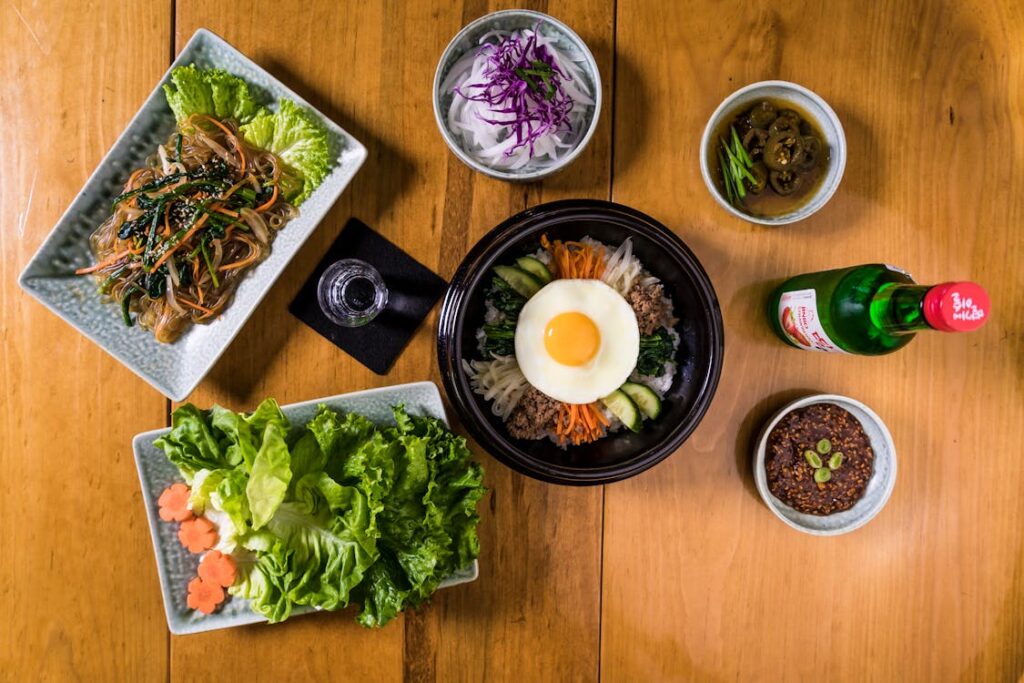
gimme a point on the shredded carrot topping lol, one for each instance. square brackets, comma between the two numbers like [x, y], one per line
[104, 263]
[231, 136]
[580, 423]
[574, 260]
[269, 203]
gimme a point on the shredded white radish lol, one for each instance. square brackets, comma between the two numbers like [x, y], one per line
[495, 144]
[499, 380]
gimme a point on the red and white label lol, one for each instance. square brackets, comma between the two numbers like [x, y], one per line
[798, 316]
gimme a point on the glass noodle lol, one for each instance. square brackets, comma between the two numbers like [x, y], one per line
[188, 224]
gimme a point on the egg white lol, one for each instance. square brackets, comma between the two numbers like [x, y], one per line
[615, 358]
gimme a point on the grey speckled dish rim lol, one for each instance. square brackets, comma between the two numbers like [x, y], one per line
[176, 566]
[173, 369]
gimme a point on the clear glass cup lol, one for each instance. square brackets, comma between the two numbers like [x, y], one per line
[351, 293]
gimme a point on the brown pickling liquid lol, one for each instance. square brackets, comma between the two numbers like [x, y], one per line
[768, 203]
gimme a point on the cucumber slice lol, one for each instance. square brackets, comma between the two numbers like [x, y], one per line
[535, 268]
[622, 407]
[644, 398]
[519, 280]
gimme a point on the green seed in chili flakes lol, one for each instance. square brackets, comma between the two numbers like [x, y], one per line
[822, 474]
[824, 446]
[835, 461]
[812, 459]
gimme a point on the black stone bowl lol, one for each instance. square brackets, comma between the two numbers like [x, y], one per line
[622, 454]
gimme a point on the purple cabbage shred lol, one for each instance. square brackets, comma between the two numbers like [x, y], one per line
[524, 83]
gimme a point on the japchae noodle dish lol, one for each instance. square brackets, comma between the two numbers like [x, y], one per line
[206, 205]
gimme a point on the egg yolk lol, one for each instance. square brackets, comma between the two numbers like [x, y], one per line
[571, 338]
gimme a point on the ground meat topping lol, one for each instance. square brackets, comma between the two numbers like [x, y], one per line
[534, 416]
[791, 477]
[648, 303]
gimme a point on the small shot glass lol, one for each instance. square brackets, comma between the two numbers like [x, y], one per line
[351, 293]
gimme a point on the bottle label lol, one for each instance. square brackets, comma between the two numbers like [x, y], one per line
[798, 316]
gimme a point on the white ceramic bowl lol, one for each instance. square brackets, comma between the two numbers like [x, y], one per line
[826, 120]
[879, 487]
[469, 39]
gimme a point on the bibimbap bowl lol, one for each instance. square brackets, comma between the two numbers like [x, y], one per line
[622, 453]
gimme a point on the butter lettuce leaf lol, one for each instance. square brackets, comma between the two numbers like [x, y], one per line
[270, 476]
[316, 550]
[191, 444]
[342, 510]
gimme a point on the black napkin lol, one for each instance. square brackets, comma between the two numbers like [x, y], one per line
[412, 291]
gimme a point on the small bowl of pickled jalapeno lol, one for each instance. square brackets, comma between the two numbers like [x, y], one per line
[773, 153]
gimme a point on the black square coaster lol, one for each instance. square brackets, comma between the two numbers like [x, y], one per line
[413, 290]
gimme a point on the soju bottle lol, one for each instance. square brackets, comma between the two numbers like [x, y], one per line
[870, 310]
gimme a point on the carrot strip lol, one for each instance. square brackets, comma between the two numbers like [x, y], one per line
[234, 188]
[185, 301]
[231, 136]
[110, 260]
[188, 235]
[253, 255]
[226, 212]
[269, 203]
[167, 220]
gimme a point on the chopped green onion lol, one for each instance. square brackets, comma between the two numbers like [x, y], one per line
[726, 180]
[209, 264]
[740, 149]
[812, 459]
[126, 302]
[105, 286]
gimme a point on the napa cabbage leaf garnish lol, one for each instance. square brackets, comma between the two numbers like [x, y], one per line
[341, 510]
[213, 92]
[292, 133]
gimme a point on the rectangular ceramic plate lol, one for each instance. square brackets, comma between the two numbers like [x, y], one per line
[177, 566]
[174, 369]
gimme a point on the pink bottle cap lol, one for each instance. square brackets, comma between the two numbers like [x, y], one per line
[956, 306]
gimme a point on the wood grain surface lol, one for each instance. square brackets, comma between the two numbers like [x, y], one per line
[79, 596]
[701, 581]
[681, 574]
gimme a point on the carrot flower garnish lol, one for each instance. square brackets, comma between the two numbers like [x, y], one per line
[204, 595]
[197, 535]
[173, 503]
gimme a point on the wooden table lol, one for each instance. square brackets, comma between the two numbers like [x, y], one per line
[679, 574]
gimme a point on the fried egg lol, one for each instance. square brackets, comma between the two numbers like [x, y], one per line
[577, 340]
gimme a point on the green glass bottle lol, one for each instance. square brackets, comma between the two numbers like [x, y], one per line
[870, 310]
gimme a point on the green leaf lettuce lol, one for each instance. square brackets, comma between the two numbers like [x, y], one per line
[339, 510]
